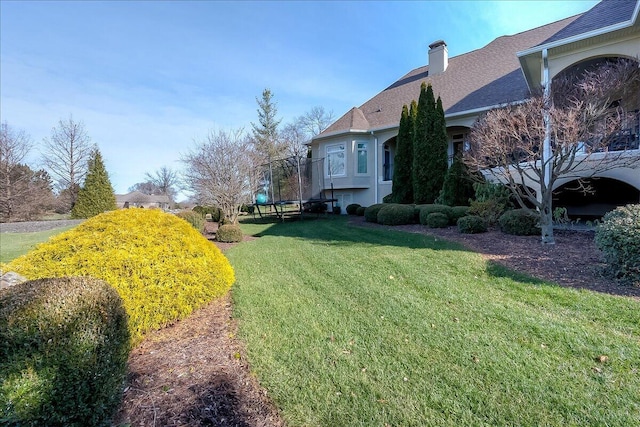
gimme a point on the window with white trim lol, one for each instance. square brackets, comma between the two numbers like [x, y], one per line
[336, 160]
[361, 158]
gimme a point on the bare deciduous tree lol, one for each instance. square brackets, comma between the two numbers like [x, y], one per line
[218, 171]
[146, 187]
[583, 118]
[24, 194]
[66, 154]
[297, 134]
[165, 180]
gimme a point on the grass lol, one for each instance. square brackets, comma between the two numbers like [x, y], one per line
[12, 245]
[349, 326]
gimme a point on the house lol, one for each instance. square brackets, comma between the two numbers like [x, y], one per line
[358, 149]
[136, 199]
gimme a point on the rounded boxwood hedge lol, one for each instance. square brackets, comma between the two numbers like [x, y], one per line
[64, 345]
[229, 233]
[425, 210]
[458, 212]
[437, 220]
[618, 237]
[160, 265]
[352, 208]
[371, 213]
[520, 222]
[360, 210]
[395, 214]
[472, 224]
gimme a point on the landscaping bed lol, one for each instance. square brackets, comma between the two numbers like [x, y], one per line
[574, 261]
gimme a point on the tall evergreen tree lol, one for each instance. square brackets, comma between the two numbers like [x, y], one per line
[437, 157]
[402, 189]
[423, 132]
[96, 196]
[266, 139]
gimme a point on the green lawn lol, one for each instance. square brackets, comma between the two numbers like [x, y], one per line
[349, 326]
[12, 245]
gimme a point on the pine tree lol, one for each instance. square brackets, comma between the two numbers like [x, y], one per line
[265, 133]
[96, 196]
[421, 145]
[402, 189]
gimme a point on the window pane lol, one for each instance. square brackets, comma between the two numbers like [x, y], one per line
[335, 160]
[362, 158]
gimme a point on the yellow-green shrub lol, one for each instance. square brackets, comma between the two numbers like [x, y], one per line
[63, 352]
[160, 265]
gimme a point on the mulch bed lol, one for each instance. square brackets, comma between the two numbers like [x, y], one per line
[195, 373]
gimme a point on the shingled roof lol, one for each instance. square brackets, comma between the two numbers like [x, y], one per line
[602, 15]
[478, 79]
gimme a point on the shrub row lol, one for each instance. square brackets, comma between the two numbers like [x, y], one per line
[160, 265]
[64, 345]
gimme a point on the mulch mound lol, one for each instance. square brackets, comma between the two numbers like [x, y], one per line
[195, 373]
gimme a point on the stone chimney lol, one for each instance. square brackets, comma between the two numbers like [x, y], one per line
[438, 57]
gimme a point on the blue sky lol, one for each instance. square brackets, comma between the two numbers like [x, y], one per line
[148, 78]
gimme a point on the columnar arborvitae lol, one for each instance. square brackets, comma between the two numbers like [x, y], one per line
[403, 161]
[437, 164]
[421, 145]
[96, 196]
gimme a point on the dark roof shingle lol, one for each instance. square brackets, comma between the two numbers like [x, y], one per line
[602, 15]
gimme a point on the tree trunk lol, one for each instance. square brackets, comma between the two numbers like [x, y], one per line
[546, 224]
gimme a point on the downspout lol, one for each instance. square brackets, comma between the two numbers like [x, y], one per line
[375, 168]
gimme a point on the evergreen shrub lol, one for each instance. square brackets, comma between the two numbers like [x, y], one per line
[215, 212]
[360, 210]
[437, 220]
[618, 237]
[194, 218]
[395, 214]
[491, 201]
[64, 344]
[425, 210]
[520, 222]
[472, 224]
[388, 198]
[229, 233]
[458, 212]
[371, 213]
[160, 265]
[352, 208]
